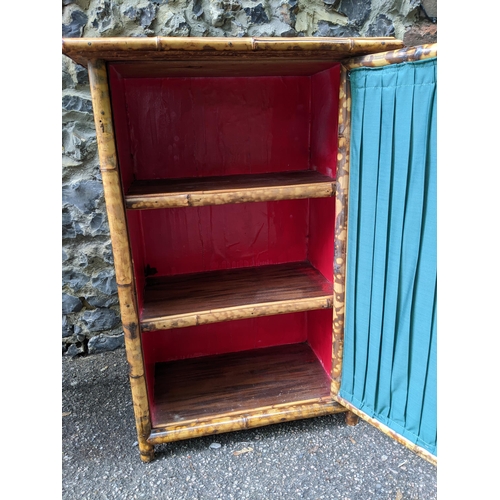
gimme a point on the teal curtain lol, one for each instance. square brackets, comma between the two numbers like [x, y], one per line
[389, 364]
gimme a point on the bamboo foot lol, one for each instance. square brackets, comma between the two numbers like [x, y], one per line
[147, 453]
[351, 418]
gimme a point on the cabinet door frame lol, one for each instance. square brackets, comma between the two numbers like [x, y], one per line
[341, 223]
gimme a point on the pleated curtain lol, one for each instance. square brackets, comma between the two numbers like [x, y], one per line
[389, 363]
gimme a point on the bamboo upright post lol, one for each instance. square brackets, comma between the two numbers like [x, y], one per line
[339, 259]
[121, 250]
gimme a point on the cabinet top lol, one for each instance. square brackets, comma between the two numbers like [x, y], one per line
[83, 50]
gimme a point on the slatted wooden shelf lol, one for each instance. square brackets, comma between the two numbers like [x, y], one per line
[225, 384]
[210, 297]
[196, 192]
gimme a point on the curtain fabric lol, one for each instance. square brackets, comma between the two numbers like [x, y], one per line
[389, 364]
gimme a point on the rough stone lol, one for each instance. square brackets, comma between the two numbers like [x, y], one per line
[67, 80]
[105, 282]
[77, 103]
[382, 26]
[70, 304]
[197, 8]
[145, 16]
[105, 18]
[357, 11]
[257, 14]
[328, 29]
[421, 34]
[67, 328]
[68, 230]
[99, 224]
[96, 301]
[430, 9]
[105, 343]
[100, 320]
[107, 255]
[175, 25]
[82, 75]
[78, 141]
[74, 279]
[311, 13]
[83, 194]
[74, 29]
[79, 333]
[75, 350]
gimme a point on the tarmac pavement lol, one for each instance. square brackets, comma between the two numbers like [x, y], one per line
[319, 458]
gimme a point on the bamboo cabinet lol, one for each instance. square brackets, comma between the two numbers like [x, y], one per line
[225, 166]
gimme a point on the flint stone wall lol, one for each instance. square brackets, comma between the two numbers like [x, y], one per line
[90, 311]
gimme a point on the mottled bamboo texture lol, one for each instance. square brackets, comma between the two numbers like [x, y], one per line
[221, 190]
[232, 294]
[339, 264]
[389, 432]
[121, 250]
[154, 48]
[257, 418]
[394, 56]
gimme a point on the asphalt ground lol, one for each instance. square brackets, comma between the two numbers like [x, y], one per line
[318, 458]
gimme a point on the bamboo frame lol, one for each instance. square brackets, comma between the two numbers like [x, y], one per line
[121, 49]
[341, 225]
[121, 250]
[418, 450]
[236, 313]
[219, 195]
[245, 420]
[393, 57]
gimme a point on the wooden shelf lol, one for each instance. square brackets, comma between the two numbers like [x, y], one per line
[216, 386]
[210, 297]
[197, 192]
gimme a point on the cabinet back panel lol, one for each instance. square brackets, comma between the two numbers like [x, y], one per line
[193, 127]
[197, 239]
[219, 338]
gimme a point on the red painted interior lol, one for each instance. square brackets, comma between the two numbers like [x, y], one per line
[324, 119]
[321, 235]
[192, 127]
[195, 239]
[319, 336]
[205, 126]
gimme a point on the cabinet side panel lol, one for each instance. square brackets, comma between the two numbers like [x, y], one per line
[196, 239]
[196, 127]
[219, 338]
[134, 222]
[319, 336]
[321, 235]
[324, 120]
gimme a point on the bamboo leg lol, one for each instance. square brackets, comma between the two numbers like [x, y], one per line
[350, 418]
[121, 251]
[339, 266]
